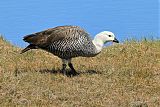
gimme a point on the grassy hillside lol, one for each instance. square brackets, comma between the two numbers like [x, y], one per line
[123, 75]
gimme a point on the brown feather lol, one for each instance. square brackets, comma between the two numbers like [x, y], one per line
[31, 46]
[45, 37]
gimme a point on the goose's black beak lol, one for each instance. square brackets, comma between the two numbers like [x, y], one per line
[115, 40]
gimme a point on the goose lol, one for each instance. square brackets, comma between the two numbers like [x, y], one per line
[68, 42]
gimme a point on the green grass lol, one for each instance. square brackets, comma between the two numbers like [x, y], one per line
[123, 75]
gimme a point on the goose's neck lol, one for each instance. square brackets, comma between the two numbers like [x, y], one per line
[98, 43]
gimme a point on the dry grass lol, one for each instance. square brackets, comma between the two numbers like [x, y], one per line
[123, 75]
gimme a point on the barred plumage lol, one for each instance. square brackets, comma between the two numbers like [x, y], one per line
[68, 42]
[67, 49]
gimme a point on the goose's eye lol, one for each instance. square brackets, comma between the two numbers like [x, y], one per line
[110, 35]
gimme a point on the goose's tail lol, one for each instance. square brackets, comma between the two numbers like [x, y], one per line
[31, 46]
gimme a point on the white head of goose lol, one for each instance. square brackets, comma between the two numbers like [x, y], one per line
[68, 42]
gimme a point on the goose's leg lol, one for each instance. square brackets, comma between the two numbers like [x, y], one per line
[64, 65]
[73, 71]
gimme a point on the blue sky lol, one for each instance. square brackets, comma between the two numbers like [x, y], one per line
[126, 18]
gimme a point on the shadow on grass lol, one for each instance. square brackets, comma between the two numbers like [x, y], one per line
[68, 72]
